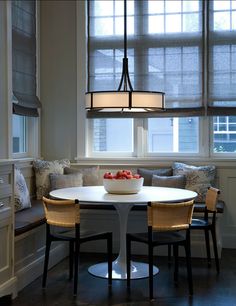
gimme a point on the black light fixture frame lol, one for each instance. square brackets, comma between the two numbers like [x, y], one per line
[125, 79]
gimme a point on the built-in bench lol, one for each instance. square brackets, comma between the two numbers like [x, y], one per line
[30, 236]
[30, 231]
[33, 217]
[28, 219]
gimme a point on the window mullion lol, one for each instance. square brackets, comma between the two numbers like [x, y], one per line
[140, 139]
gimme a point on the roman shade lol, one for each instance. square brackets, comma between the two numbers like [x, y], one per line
[25, 101]
[221, 63]
[175, 47]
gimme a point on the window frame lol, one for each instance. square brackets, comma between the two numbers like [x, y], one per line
[32, 123]
[202, 150]
[223, 155]
[32, 139]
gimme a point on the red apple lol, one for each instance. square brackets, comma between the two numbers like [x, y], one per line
[123, 174]
[108, 175]
[119, 173]
[129, 172]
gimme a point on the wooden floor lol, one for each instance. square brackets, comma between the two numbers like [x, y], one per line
[209, 289]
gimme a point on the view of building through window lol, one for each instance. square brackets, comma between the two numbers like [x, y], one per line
[113, 135]
[175, 135]
[19, 134]
[224, 134]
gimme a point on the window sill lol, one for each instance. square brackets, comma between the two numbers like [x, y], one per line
[151, 161]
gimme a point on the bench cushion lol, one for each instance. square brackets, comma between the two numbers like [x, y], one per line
[198, 207]
[29, 218]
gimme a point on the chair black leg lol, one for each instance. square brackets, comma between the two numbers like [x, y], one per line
[46, 260]
[150, 265]
[188, 261]
[76, 258]
[213, 233]
[169, 255]
[71, 259]
[76, 268]
[128, 259]
[206, 231]
[176, 257]
[109, 252]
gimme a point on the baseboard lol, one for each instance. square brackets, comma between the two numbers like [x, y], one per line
[9, 287]
[229, 241]
[29, 273]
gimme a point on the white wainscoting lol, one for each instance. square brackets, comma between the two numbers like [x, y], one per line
[227, 184]
[29, 256]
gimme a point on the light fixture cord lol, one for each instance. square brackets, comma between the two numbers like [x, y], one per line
[125, 79]
[125, 29]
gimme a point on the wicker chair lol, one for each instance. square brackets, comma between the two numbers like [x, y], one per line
[66, 214]
[209, 224]
[168, 224]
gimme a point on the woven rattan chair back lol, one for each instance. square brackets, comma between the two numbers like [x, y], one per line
[170, 216]
[212, 198]
[64, 213]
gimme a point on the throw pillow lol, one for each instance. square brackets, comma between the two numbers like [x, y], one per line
[198, 178]
[148, 173]
[21, 192]
[42, 170]
[58, 181]
[175, 181]
[90, 175]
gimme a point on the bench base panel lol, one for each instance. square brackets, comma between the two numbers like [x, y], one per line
[29, 256]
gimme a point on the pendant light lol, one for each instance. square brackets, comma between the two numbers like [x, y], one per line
[125, 99]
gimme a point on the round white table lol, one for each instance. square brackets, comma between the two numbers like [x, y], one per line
[122, 203]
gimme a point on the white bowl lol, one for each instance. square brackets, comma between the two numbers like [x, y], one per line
[126, 186]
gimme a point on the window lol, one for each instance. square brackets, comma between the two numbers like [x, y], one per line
[113, 135]
[222, 75]
[170, 61]
[24, 75]
[19, 134]
[174, 48]
[222, 53]
[175, 135]
[224, 134]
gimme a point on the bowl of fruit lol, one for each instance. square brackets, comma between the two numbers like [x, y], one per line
[123, 182]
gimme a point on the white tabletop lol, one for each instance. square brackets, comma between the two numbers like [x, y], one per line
[97, 194]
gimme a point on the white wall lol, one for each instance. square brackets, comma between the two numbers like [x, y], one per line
[58, 78]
